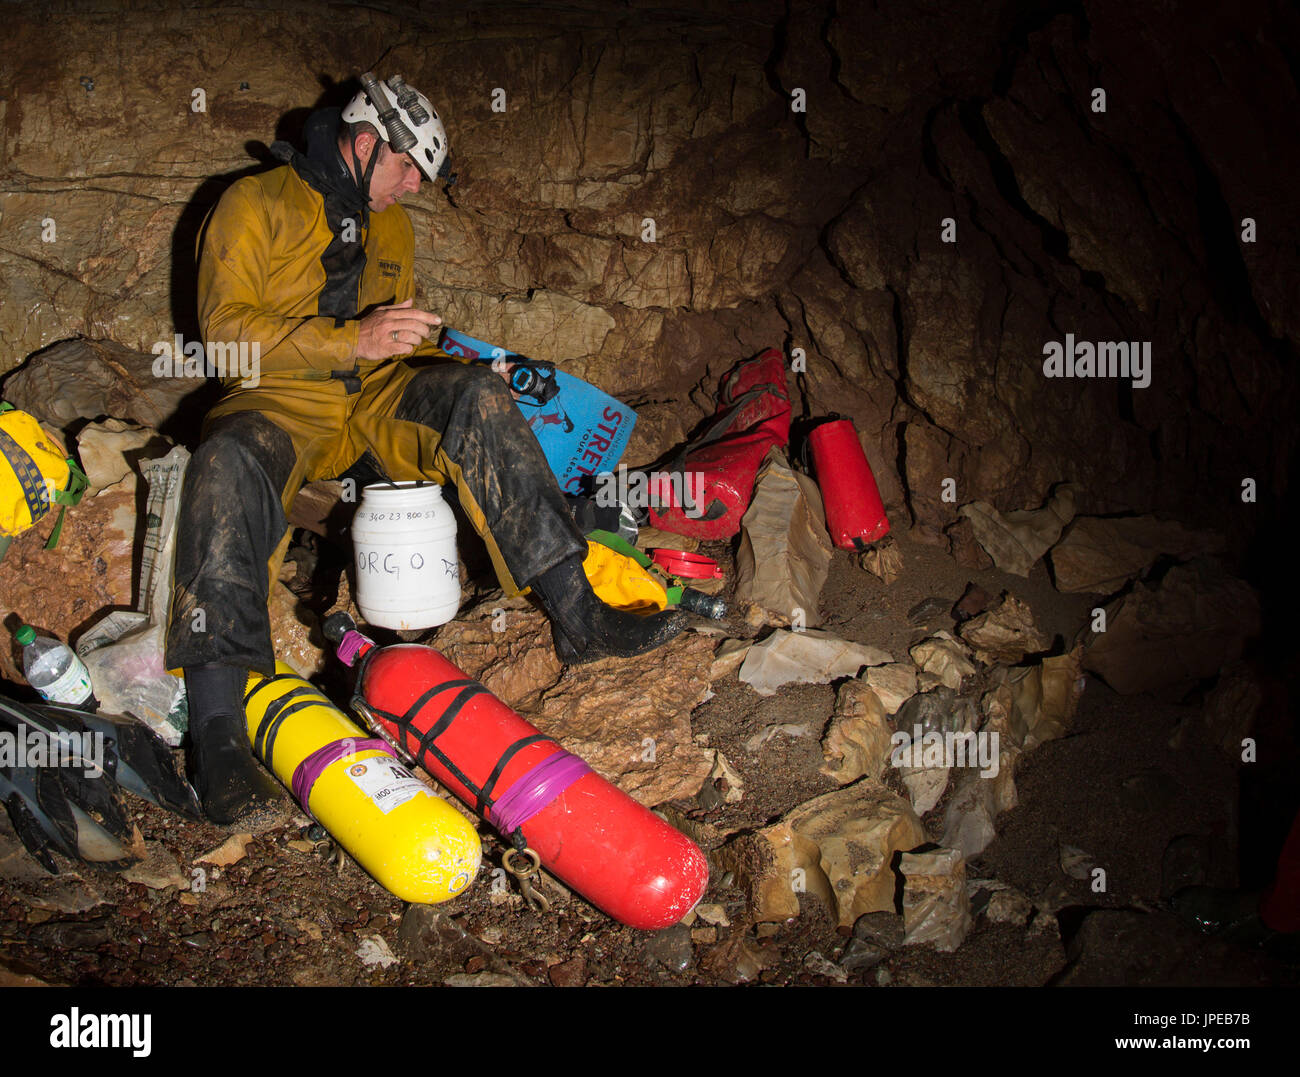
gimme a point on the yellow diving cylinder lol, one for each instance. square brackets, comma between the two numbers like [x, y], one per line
[414, 844]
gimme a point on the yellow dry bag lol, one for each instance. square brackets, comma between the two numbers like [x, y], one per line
[34, 473]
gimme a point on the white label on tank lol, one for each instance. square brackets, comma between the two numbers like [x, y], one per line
[386, 783]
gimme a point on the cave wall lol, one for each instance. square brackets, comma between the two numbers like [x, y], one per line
[817, 229]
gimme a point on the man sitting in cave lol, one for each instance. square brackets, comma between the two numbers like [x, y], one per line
[313, 260]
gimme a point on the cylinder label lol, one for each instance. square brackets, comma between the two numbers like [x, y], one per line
[386, 783]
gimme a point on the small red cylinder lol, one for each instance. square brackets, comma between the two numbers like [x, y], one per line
[594, 837]
[855, 515]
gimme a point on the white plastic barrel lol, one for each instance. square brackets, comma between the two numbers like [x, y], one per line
[404, 542]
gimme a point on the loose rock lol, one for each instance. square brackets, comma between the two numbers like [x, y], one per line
[159, 869]
[1189, 626]
[670, 948]
[1005, 634]
[375, 953]
[945, 657]
[735, 960]
[1016, 540]
[837, 848]
[894, 684]
[1100, 555]
[857, 740]
[230, 851]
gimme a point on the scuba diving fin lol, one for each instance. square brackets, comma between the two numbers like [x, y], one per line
[141, 763]
[62, 772]
[72, 807]
[44, 819]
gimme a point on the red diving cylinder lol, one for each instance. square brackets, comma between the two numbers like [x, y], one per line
[855, 515]
[588, 833]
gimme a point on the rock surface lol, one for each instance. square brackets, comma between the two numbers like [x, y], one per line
[506, 645]
[1100, 555]
[91, 379]
[64, 591]
[295, 632]
[825, 225]
[1189, 626]
[631, 721]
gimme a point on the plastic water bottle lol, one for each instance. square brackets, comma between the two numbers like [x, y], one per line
[55, 671]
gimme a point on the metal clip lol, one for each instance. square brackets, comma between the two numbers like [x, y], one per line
[377, 727]
[536, 901]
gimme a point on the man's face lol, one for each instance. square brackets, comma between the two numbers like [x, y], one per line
[394, 174]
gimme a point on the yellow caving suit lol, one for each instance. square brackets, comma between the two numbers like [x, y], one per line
[290, 261]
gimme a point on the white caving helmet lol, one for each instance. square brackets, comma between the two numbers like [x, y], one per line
[404, 119]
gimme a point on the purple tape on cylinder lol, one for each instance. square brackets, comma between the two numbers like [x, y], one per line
[311, 768]
[350, 645]
[535, 789]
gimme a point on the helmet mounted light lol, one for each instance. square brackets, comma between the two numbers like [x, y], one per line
[404, 119]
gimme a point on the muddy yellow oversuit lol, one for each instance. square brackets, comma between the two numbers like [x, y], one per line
[290, 260]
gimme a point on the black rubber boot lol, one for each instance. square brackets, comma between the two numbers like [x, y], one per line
[585, 629]
[230, 782]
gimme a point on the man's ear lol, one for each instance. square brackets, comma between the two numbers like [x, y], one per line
[365, 144]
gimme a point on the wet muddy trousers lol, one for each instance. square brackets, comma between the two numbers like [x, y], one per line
[233, 529]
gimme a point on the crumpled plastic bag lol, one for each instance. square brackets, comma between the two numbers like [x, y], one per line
[124, 651]
[785, 551]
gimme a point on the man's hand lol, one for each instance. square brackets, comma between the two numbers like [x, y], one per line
[396, 330]
[503, 368]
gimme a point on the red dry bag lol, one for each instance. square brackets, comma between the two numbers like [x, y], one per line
[717, 469]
